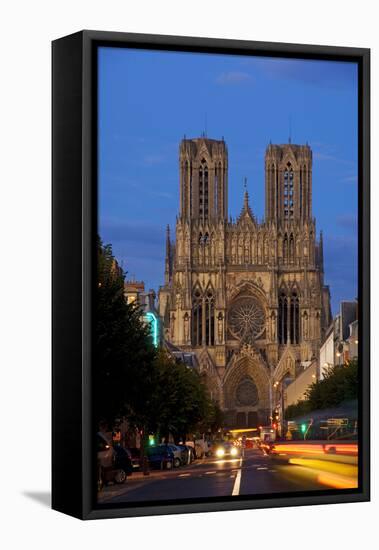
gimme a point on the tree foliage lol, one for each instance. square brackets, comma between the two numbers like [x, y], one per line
[340, 383]
[181, 398]
[132, 379]
[123, 351]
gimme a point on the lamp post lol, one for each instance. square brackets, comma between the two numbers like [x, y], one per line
[274, 386]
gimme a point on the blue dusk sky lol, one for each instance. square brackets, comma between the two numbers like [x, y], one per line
[149, 100]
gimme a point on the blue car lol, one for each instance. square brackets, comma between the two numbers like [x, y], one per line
[160, 457]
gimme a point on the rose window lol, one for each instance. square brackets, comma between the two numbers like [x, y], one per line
[246, 319]
[247, 393]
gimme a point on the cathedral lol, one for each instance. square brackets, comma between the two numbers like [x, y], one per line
[246, 297]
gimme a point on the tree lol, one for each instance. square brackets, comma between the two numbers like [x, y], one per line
[340, 384]
[123, 350]
[181, 401]
[132, 379]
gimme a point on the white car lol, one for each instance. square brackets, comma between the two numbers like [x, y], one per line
[177, 454]
[202, 448]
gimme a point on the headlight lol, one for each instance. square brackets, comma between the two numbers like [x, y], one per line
[233, 451]
[220, 452]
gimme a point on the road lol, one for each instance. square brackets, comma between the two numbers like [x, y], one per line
[255, 474]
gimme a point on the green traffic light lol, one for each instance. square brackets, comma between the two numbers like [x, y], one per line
[303, 428]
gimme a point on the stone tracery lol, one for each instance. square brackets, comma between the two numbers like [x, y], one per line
[243, 282]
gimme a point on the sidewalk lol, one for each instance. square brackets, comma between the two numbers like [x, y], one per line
[138, 474]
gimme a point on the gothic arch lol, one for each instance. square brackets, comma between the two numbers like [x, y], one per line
[197, 316]
[286, 364]
[248, 288]
[209, 374]
[243, 366]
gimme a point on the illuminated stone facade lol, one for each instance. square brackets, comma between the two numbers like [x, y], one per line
[248, 298]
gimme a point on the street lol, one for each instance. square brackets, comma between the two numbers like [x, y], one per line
[256, 473]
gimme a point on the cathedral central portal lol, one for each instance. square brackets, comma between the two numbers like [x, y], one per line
[247, 297]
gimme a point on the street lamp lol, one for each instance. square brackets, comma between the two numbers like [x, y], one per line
[278, 416]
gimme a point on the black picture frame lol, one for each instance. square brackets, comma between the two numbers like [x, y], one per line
[74, 205]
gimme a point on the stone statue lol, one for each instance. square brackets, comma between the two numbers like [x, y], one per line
[220, 327]
[172, 326]
[186, 327]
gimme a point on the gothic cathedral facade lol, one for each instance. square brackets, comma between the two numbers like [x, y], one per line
[247, 298]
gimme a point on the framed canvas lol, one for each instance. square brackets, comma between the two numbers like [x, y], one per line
[211, 289]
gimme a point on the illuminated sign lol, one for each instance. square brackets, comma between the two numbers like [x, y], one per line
[151, 319]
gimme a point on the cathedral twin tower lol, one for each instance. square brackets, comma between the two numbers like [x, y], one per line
[247, 298]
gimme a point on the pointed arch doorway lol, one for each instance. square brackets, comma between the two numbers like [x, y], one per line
[246, 392]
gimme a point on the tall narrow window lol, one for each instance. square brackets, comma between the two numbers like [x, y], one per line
[203, 190]
[220, 192]
[276, 184]
[294, 319]
[288, 204]
[282, 319]
[297, 321]
[216, 197]
[197, 319]
[291, 249]
[206, 192]
[190, 191]
[185, 188]
[302, 172]
[209, 319]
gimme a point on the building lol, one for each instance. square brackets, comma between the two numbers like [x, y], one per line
[327, 352]
[351, 344]
[134, 292]
[297, 390]
[247, 297]
[341, 339]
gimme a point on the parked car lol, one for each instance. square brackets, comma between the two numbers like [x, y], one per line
[177, 452]
[114, 463]
[187, 454]
[202, 448]
[122, 463]
[160, 456]
[135, 457]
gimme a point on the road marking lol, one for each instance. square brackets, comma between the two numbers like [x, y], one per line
[184, 475]
[237, 482]
[208, 473]
[262, 468]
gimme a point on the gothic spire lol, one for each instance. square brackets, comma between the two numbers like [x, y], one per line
[246, 207]
[168, 256]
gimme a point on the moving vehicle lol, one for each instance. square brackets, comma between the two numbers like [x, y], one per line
[267, 434]
[226, 449]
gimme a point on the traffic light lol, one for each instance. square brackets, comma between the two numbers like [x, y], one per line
[151, 440]
[303, 428]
